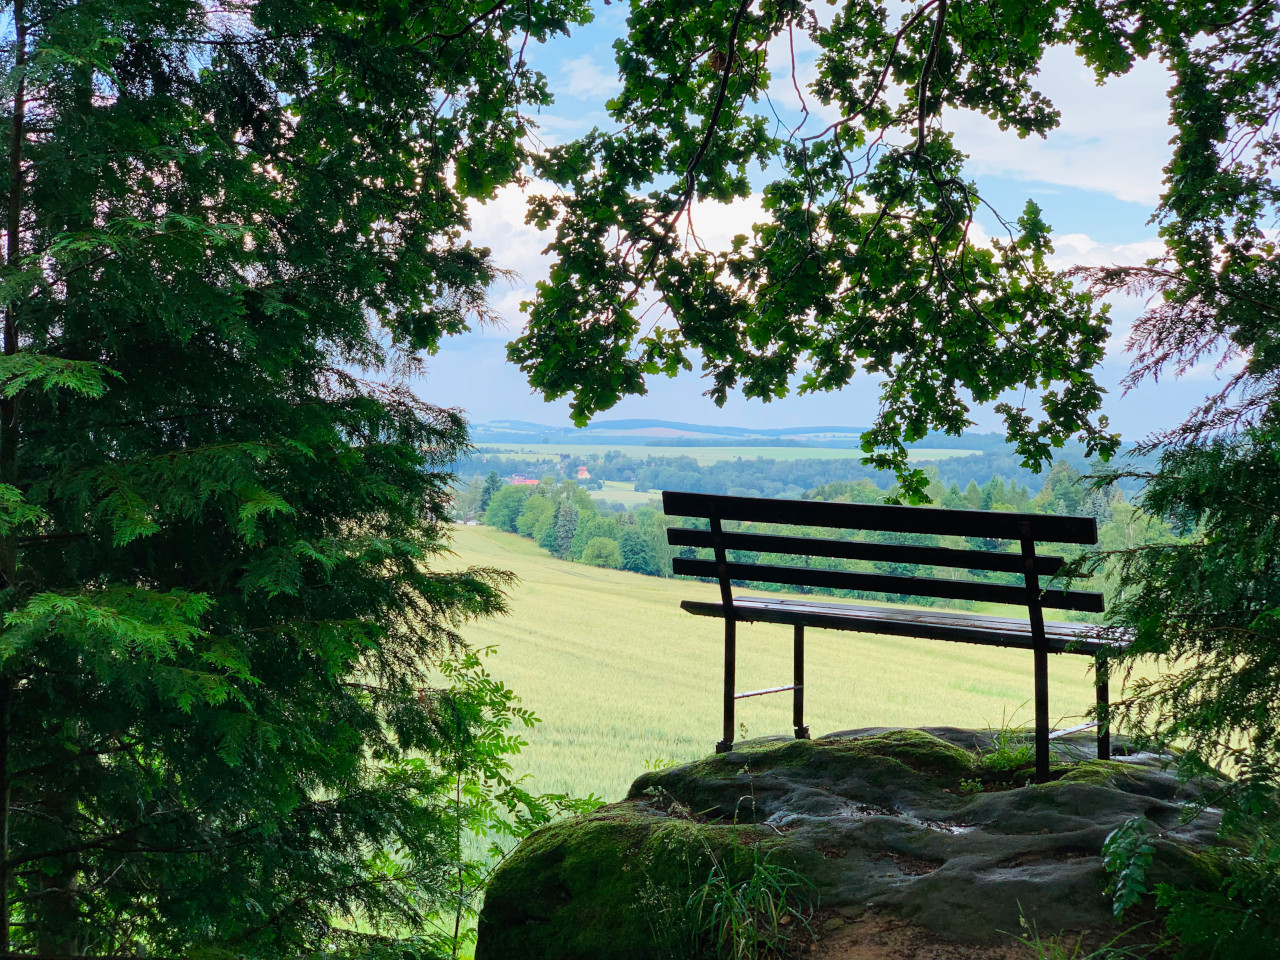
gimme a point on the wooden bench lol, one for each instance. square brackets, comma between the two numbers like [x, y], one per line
[1026, 529]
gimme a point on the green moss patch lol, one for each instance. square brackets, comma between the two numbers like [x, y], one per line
[918, 750]
[1092, 771]
[603, 885]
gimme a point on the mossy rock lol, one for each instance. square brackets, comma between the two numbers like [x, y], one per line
[884, 820]
[580, 888]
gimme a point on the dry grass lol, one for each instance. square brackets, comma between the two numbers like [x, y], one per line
[620, 675]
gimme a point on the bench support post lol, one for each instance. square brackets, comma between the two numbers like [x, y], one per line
[730, 635]
[1101, 675]
[797, 701]
[730, 668]
[1040, 652]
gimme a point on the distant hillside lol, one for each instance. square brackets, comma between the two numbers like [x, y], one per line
[670, 433]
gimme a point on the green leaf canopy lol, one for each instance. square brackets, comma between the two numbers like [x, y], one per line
[864, 258]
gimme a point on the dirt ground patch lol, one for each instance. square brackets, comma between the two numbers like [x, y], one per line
[880, 936]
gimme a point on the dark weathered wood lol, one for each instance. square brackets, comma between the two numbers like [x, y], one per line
[1101, 675]
[903, 622]
[993, 524]
[1039, 653]
[797, 702]
[861, 550]
[730, 635]
[886, 583]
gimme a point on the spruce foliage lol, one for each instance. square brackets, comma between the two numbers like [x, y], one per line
[229, 230]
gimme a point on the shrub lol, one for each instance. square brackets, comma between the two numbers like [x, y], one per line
[602, 552]
[505, 507]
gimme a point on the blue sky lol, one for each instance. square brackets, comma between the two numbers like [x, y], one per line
[1097, 178]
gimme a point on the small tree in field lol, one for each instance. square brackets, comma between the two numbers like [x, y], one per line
[602, 552]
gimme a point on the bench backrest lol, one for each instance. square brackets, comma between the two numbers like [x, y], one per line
[1024, 528]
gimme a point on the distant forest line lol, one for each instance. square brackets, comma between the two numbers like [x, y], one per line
[780, 477]
[671, 433]
[562, 518]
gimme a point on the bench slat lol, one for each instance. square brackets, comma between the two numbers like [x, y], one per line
[1080, 600]
[929, 624]
[861, 550]
[995, 524]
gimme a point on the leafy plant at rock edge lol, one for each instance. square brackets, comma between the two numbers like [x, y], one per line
[488, 803]
[1127, 856]
[1231, 910]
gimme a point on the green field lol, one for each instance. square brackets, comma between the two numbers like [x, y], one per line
[704, 455]
[619, 491]
[621, 676]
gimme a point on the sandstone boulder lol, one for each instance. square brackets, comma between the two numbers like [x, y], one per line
[909, 836]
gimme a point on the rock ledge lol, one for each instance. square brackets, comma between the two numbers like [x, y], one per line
[908, 825]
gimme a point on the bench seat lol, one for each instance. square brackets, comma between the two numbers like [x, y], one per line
[905, 622]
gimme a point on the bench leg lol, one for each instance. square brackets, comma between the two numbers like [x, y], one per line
[1040, 653]
[797, 702]
[1041, 671]
[730, 668]
[1100, 678]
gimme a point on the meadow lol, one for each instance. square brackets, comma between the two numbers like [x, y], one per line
[625, 493]
[623, 679]
[704, 455]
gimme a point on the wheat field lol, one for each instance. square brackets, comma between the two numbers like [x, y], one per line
[623, 678]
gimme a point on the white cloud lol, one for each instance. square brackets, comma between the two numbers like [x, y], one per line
[1113, 139]
[718, 223]
[517, 246]
[585, 79]
[549, 129]
[1081, 250]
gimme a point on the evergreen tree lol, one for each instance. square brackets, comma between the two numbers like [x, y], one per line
[544, 533]
[228, 232]
[492, 484]
[637, 554]
[1203, 610]
[566, 524]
